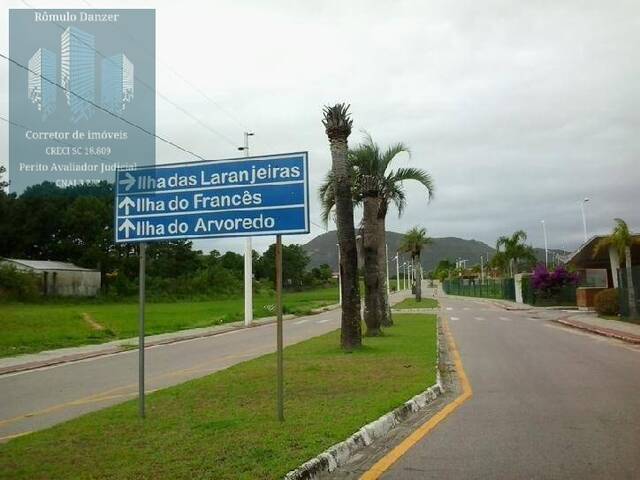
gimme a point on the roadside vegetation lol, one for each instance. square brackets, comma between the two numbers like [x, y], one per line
[224, 426]
[30, 328]
[413, 303]
[620, 240]
[375, 186]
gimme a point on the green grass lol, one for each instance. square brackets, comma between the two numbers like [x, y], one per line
[30, 328]
[223, 426]
[411, 303]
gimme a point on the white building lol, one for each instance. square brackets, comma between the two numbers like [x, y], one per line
[60, 278]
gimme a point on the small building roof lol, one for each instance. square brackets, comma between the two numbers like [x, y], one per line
[586, 257]
[47, 265]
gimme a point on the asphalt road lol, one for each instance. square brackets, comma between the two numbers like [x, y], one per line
[37, 399]
[548, 402]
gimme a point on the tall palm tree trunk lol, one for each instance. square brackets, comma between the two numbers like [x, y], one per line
[337, 125]
[385, 310]
[631, 295]
[417, 268]
[372, 284]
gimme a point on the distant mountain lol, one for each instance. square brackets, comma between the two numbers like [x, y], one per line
[323, 249]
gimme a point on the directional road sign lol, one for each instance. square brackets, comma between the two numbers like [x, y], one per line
[223, 198]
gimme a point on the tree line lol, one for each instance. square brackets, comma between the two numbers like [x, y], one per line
[75, 224]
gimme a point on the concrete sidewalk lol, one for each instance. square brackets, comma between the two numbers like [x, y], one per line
[626, 331]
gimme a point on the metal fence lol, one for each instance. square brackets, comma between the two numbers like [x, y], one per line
[624, 289]
[501, 288]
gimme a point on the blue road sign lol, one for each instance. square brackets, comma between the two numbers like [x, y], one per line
[222, 198]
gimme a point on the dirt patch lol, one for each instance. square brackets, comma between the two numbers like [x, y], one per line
[92, 323]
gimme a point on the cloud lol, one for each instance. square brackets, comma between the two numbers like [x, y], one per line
[517, 109]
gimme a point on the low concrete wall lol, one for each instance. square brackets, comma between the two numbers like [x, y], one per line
[585, 297]
[71, 283]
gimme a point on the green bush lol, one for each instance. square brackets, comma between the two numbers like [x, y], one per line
[17, 285]
[607, 302]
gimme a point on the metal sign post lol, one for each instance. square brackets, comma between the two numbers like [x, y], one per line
[279, 336]
[266, 195]
[142, 254]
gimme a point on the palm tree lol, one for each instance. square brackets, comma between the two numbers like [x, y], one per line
[515, 250]
[413, 242]
[621, 239]
[375, 186]
[337, 123]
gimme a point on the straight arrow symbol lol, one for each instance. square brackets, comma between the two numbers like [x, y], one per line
[127, 226]
[126, 203]
[128, 182]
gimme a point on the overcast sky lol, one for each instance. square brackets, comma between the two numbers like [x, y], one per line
[518, 109]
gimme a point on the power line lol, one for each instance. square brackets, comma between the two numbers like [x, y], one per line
[151, 89]
[99, 107]
[229, 114]
[319, 226]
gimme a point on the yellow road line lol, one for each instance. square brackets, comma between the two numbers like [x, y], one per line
[390, 458]
[110, 394]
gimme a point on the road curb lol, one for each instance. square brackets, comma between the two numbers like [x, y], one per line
[629, 338]
[23, 367]
[338, 454]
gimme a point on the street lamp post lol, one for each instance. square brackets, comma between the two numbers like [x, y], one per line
[386, 263]
[546, 242]
[397, 273]
[339, 277]
[584, 217]
[248, 258]
[404, 275]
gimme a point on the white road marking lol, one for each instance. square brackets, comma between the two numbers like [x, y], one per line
[324, 321]
[479, 318]
[505, 319]
[454, 318]
[449, 308]
[300, 322]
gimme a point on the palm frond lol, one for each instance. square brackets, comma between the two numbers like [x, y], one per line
[327, 195]
[390, 153]
[417, 174]
[337, 120]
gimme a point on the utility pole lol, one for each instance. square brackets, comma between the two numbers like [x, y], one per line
[141, 301]
[584, 217]
[248, 257]
[546, 244]
[481, 268]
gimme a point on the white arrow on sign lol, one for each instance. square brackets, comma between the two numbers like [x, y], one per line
[126, 203]
[128, 182]
[127, 226]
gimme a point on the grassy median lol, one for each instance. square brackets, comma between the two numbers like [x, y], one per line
[411, 303]
[29, 328]
[223, 426]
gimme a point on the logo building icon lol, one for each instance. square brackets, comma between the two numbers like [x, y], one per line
[117, 82]
[43, 67]
[77, 72]
[78, 77]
